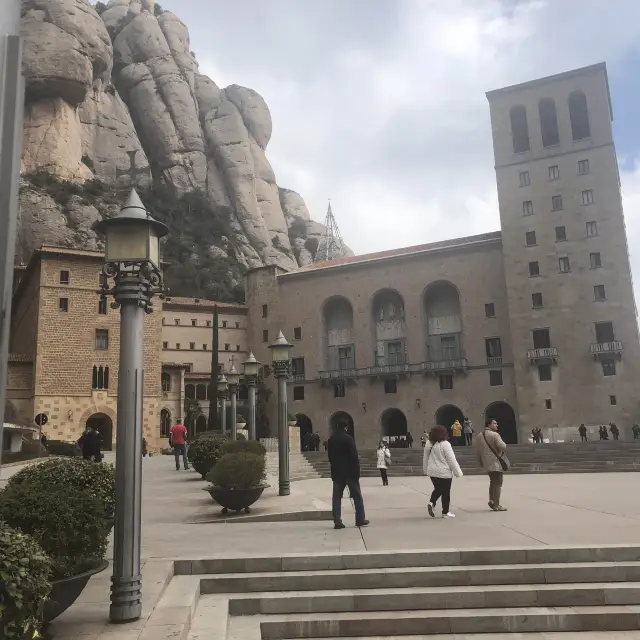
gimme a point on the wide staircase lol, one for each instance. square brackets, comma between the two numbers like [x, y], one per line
[419, 594]
[299, 466]
[560, 457]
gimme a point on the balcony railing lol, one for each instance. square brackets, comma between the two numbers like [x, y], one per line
[365, 372]
[548, 353]
[606, 348]
[298, 377]
[494, 361]
[458, 364]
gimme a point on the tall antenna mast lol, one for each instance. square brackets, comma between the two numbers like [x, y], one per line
[330, 246]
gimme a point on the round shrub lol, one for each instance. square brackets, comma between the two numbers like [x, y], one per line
[204, 453]
[24, 584]
[67, 522]
[250, 446]
[98, 480]
[241, 470]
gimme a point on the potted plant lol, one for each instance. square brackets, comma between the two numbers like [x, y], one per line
[248, 446]
[205, 452]
[24, 584]
[69, 524]
[292, 421]
[237, 481]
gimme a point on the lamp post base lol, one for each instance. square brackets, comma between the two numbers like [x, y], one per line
[126, 599]
[284, 488]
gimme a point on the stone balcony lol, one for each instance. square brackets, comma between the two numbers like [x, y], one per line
[606, 349]
[541, 356]
[494, 361]
[456, 365]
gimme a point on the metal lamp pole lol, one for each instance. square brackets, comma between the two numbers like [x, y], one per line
[251, 370]
[223, 385]
[280, 355]
[132, 260]
[233, 378]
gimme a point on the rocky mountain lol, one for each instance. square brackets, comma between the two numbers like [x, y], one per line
[114, 90]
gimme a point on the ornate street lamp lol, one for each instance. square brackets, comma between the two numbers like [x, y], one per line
[132, 258]
[280, 356]
[251, 370]
[223, 385]
[233, 378]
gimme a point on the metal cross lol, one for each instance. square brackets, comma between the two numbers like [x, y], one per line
[133, 172]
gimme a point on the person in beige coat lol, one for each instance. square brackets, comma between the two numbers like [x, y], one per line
[488, 443]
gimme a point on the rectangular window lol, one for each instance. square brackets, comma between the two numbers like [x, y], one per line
[495, 378]
[554, 172]
[177, 322]
[265, 335]
[530, 238]
[237, 325]
[194, 323]
[583, 167]
[165, 345]
[265, 310]
[192, 345]
[493, 347]
[446, 383]
[527, 208]
[227, 346]
[178, 346]
[164, 321]
[599, 293]
[63, 304]
[390, 386]
[561, 234]
[556, 203]
[541, 339]
[204, 347]
[609, 367]
[64, 277]
[102, 338]
[544, 372]
[224, 324]
[490, 310]
[564, 265]
[102, 307]
[525, 179]
[237, 347]
[345, 358]
[592, 229]
[587, 196]
[594, 260]
[547, 404]
[338, 390]
[297, 366]
[395, 353]
[613, 401]
[536, 300]
[534, 269]
[297, 333]
[298, 393]
[209, 323]
[604, 332]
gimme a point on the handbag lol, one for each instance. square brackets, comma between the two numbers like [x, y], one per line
[503, 460]
[387, 459]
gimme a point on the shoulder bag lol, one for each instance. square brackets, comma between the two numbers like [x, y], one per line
[503, 460]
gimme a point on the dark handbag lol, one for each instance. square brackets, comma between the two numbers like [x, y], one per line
[503, 460]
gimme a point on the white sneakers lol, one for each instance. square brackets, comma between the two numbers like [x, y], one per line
[444, 515]
[449, 515]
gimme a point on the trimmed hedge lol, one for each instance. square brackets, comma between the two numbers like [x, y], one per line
[249, 446]
[204, 453]
[240, 470]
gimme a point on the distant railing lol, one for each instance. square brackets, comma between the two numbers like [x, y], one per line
[494, 361]
[606, 347]
[548, 353]
[446, 365]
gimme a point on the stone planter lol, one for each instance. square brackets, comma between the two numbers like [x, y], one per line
[236, 499]
[65, 592]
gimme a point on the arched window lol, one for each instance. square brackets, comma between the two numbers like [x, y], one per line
[548, 122]
[100, 378]
[165, 423]
[201, 392]
[519, 129]
[166, 381]
[579, 114]
[190, 392]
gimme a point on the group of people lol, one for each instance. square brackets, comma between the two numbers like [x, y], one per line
[603, 432]
[439, 463]
[311, 442]
[459, 434]
[537, 436]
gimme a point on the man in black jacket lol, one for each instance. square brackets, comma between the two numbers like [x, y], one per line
[345, 472]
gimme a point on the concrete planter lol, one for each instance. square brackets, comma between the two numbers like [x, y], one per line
[236, 499]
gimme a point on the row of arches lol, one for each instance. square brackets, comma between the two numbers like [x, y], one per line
[548, 116]
[201, 391]
[441, 320]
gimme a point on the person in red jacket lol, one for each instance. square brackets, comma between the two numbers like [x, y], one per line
[178, 440]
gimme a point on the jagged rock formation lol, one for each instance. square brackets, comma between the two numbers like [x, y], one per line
[108, 80]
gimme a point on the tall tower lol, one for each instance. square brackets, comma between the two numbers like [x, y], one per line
[331, 245]
[571, 303]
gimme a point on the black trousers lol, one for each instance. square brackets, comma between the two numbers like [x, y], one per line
[442, 488]
[383, 475]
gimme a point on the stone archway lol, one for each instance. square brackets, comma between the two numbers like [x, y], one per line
[505, 416]
[342, 416]
[447, 415]
[306, 429]
[104, 425]
[98, 411]
[394, 427]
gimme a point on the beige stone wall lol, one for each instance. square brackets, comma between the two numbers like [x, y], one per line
[20, 390]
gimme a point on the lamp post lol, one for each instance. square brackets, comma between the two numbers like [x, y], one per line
[251, 369]
[132, 258]
[280, 356]
[233, 378]
[223, 385]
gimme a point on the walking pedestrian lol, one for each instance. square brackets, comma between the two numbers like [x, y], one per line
[345, 472]
[467, 428]
[178, 440]
[636, 431]
[145, 448]
[490, 453]
[89, 443]
[440, 464]
[423, 438]
[409, 440]
[615, 432]
[456, 432]
[383, 461]
[582, 430]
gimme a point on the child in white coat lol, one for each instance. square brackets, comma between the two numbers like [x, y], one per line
[440, 464]
[383, 461]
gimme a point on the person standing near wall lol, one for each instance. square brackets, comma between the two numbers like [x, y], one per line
[490, 453]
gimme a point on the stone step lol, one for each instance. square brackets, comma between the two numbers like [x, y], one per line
[553, 635]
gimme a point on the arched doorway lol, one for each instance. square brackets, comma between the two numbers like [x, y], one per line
[103, 424]
[165, 423]
[447, 415]
[306, 429]
[443, 322]
[394, 427]
[339, 345]
[389, 328]
[505, 416]
[342, 416]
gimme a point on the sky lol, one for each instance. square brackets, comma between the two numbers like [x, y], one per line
[380, 104]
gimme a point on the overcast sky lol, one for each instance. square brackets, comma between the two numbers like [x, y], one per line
[380, 106]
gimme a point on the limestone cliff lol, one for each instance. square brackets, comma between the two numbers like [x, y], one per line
[108, 80]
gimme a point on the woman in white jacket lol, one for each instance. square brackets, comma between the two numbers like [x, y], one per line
[440, 464]
[383, 461]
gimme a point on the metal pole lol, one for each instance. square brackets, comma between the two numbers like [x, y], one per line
[11, 117]
[252, 408]
[126, 587]
[283, 432]
[223, 415]
[234, 412]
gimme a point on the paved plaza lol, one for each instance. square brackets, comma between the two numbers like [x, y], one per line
[181, 521]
